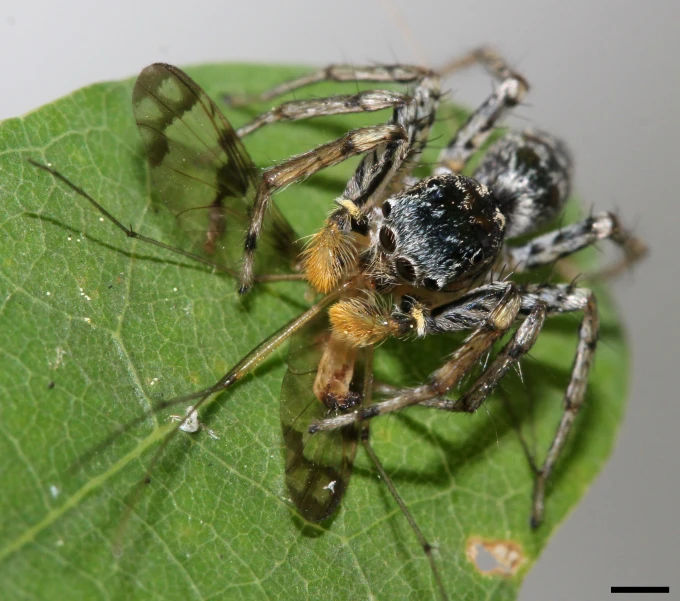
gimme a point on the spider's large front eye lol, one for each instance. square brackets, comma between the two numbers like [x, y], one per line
[431, 284]
[405, 269]
[387, 240]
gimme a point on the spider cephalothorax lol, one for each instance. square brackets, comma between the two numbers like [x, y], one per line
[440, 233]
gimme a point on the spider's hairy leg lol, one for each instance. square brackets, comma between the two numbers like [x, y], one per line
[297, 168]
[130, 233]
[567, 240]
[338, 73]
[573, 400]
[518, 346]
[486, 56]
[537, 300]
[493, 327]
[472, 134]
[296, 110]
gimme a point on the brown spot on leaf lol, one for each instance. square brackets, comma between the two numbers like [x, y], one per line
[495, 557]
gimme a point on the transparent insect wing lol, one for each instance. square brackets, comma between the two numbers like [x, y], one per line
[200, 168]
[319, 466]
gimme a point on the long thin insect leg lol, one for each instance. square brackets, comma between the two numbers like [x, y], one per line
[426, 546]
[130, 233]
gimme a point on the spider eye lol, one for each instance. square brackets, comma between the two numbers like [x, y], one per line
[386, 209]
[405, 269]
[477, 258]
[430, 284]
[387, 239]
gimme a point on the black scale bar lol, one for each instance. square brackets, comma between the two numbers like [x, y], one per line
[640, 589]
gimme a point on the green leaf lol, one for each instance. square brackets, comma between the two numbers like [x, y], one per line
[94, 328]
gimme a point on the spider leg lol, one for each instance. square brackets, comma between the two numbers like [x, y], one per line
[539, 300]
[497, 322]
[417, 120]
[296, 110]
[486, 56]
[472, 134]
[520, 344]
[573, 400]
[338, 73]
[565, 241]
[380, 167]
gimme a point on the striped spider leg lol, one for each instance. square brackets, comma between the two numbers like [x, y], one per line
[536, 155]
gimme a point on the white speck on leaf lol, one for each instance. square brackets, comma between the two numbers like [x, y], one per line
[60, 352]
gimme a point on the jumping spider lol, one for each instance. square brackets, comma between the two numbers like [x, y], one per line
[437, 245]
[396, 257]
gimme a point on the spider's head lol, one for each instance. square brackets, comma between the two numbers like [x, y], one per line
[442, 232]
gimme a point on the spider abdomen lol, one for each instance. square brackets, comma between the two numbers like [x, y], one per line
[530, 175]
[443, 230]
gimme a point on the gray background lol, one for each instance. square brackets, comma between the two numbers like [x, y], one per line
[605, 76]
